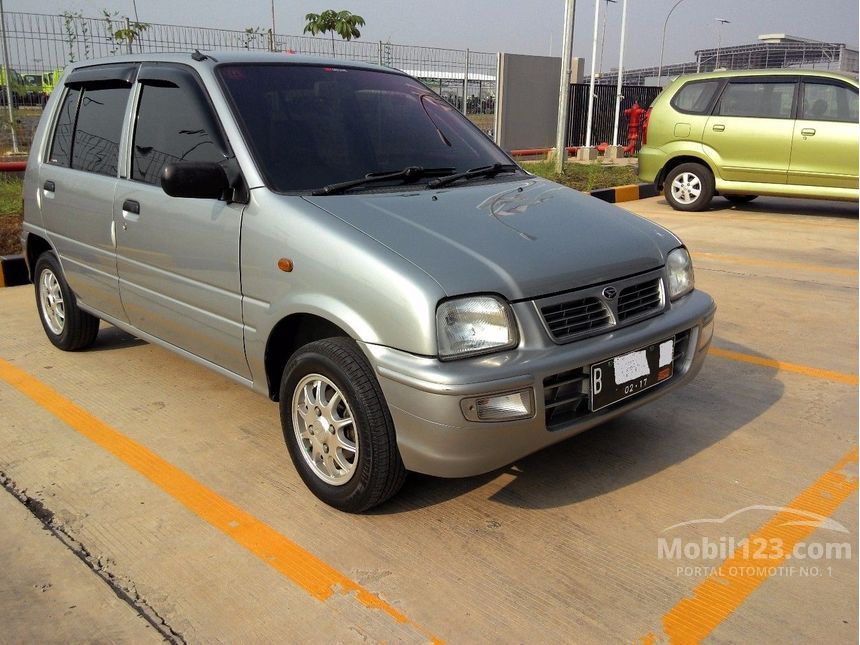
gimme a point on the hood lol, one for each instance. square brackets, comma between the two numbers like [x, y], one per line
[521, 239]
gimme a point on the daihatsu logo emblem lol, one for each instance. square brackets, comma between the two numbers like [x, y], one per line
[609, 293]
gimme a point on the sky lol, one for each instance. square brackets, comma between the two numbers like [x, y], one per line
[516, 26]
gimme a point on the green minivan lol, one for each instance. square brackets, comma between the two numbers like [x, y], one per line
[788, 133]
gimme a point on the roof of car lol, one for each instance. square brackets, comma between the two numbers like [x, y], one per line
[773, 72]
[214, 58]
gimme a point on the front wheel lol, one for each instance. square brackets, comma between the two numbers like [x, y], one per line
[337, 426]
[67, 326]
[689, 187]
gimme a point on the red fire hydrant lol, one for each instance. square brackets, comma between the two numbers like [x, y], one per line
[634, 116]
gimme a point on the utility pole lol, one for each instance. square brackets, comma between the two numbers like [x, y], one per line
[592, 79]
[618, 96]
[720, 23]
[564, 86]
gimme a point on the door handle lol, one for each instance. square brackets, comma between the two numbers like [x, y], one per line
[130, 212]
[808, 132]
[719, 127]
[49, 186]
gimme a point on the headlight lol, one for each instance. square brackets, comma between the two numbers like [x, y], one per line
[474, 325]
[679, 267]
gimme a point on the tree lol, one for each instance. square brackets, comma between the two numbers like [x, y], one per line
[342, 23]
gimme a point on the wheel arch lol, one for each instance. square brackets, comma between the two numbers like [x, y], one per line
[674, 162]
[35, 246]
[288, 335]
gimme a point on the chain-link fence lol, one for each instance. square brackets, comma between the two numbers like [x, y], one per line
[40, 45]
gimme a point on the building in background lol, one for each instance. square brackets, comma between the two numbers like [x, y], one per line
[771, 51]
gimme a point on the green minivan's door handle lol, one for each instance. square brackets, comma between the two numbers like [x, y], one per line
[719, 127]
[808, 132]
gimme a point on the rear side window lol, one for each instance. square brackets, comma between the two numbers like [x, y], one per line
[173, 124]
[764, 99]
[695, 97]
[828, 102]
[61, 145]
[98, 130]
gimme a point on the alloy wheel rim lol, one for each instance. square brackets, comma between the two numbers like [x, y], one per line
[686, 188]
[325, 429]
[53, 306]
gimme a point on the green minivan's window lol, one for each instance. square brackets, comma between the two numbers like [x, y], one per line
[61, 146]
[98, 129]
[770, 100]
[695, 97]
[828, 102]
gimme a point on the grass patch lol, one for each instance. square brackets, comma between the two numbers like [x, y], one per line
[10, 195]
[10, 214]
[585, 177]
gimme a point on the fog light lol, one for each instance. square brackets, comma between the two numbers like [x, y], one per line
[706, 334]
[499, 407]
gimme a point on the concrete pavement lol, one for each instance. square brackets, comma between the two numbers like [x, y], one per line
[562, 545]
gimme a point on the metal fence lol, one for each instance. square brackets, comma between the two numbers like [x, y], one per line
[39, 44]
[604, 111]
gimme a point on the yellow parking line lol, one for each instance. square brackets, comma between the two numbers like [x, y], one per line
[310, 573]
[718, 596]
[778, 264]
[814, 372]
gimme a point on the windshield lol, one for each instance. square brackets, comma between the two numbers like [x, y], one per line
[311, 126]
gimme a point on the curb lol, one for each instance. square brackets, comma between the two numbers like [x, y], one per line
[627, 193]
[13, 271]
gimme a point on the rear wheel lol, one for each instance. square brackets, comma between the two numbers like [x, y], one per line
[337, 426]
[689, 187]
[740, 199]
[66, 325]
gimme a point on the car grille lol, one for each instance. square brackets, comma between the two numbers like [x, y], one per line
[594, 310]
[566, 395]
[639, 299]
[576, 317]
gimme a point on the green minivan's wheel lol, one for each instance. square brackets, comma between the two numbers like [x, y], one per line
[689, 187]
[740, 199]
[337, 426]
[67, 326]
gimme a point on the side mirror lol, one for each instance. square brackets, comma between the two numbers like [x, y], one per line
[195, 179]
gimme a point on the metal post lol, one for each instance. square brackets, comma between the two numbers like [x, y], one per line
[272, 30]
[618, 96]
[465, 81]
[591, 80]
[603, 38]
[8, 78]
[128, 35]
[564, 87]
[663, 40]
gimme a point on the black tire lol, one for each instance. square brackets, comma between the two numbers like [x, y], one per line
[740, 199]
[700, 178]
[378, 472]
[79, 329]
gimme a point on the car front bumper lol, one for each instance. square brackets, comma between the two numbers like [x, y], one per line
[424, 394]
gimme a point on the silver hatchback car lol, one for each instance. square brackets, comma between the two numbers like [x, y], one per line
[336, 236]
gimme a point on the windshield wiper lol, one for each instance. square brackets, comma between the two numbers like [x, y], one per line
[483, 171]
[408, 174]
